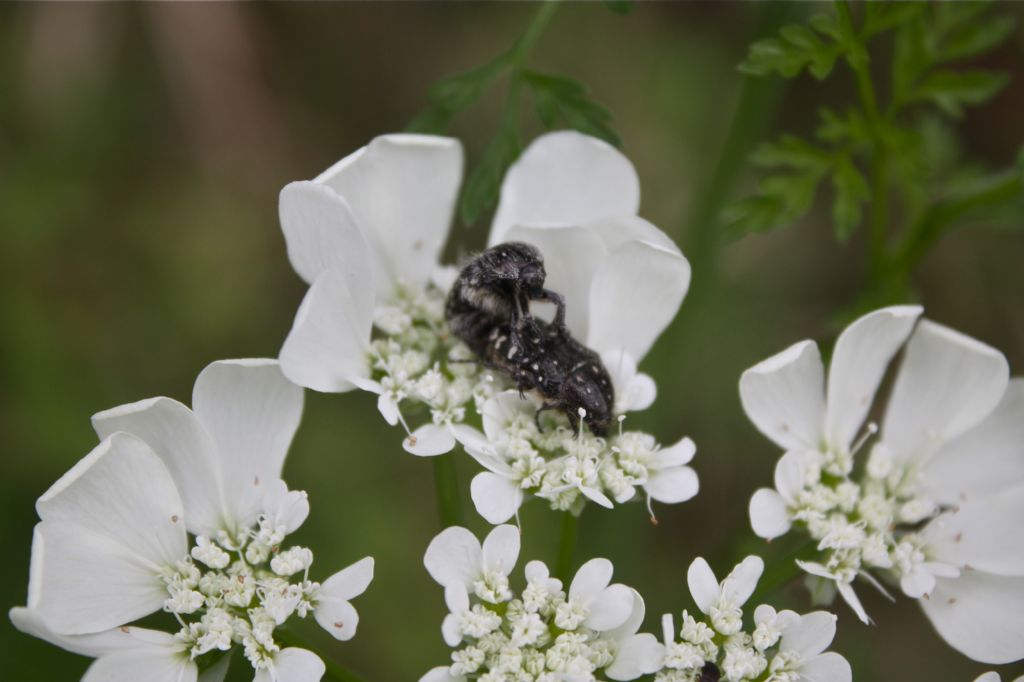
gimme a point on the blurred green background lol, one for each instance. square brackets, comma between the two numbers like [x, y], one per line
[142, 147]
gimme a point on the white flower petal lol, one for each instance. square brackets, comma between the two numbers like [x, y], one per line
[91, 582]
[574, 253]
[501, 549]
[634, 295]
[633, 391]
[177, 436]
[595, 495]
[94, 645]
[495, 497]
[429, 440]
[402, 191]
[454, 556]
[252, 412]
[703, 584]
[810, 635]
[985, 459]
[288, 508]
[321, 232]
[337, 616]
[329, 341]
[983, 533]
[121, 490]
[615, 231]
[349, 582]
[740, 583]
[674, 485]
[769, 516]
[441, 674]
[861, 355]
[153, 664]
[637, 655]
[948, 382]
[829, 667]
[610, 609]
[850, 597]
[293, 665]
[675, 455]
[918, 583]
[785, 396]
[565, 178]
[988, 677]
[978, 614]
[633, 622]
[590, 580]
[791, 474]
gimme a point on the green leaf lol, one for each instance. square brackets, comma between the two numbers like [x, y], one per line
[976, 38]
[480, 191]
[882, 16]
[851, 129]
[797, 47]
[455, 93]
[790, 151]
[781, 200]
[559, 98]
[851, 191]
[952, 90]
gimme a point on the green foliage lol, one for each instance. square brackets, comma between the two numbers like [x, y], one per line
[796, 48]
[559, 102]
[484, 181]
[897, 155]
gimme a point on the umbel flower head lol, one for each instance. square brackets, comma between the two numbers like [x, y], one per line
[783, 646]
[183, 510]
[936, 508]
[367, 235]
[542, 633]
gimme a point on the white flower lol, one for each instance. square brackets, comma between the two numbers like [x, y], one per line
[802, 650]
[722, 602]
[224, 452]
[128, 651]
[543, 633]
[371, 224]
[785, 644]
[949, 455]
[112, 544]
[594, 603]
[367, 233]
[635, 654]
[456, 557]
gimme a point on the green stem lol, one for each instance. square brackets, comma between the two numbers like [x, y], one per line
[534, 31]
[446, 485]
[752, 114]
[878, 227]
[939, 217]
[334, 670]
[570, 529]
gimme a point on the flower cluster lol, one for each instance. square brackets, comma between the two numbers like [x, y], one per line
[783, 646]
[556, 464]
[543, 633]
[367, 235]
[113, 544]
[935, 506]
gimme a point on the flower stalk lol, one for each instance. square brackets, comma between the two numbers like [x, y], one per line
[446, 486]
